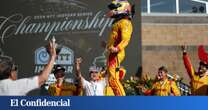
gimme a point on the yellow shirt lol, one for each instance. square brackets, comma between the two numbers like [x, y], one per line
[66, 89]
[199, 85]
[165, 88]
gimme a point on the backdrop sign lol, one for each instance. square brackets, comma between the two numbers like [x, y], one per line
[79, 25]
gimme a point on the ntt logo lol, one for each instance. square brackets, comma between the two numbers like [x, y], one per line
[39, 103]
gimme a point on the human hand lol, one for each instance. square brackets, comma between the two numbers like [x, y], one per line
[183, 48]
[113, 49]
[52, 49]
[79, 60]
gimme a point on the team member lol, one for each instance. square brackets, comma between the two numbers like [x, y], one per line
[96, 85]
[61, 87]
[163, 86]
[119, 38]
[199, 79]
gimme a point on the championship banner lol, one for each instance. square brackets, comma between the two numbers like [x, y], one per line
[79, 26]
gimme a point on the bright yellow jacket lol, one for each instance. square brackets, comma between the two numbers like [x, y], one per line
[199, 85]
[165, 88]
[66, 89]
[120, 37]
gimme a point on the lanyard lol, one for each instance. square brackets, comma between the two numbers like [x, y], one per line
[94, 89]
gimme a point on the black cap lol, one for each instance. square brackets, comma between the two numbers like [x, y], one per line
[58, 68]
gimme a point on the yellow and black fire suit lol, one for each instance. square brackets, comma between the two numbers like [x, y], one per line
[66, 89]
[199, 85]
[119, 38]
[164, 88]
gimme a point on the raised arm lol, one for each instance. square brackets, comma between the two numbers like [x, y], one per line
[77, 68]
[43, 76]
[187, 63]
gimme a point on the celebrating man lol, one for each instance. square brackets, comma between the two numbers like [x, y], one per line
[199, 79]
[61, 87]
[119, 38]
[96, 85]
[10, 85]
[162, 85]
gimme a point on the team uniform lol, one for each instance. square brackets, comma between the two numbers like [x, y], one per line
[66, 89]
[199, 85]
[164, 88]
[119, 38]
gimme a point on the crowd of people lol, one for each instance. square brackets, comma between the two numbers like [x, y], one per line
[98, 84]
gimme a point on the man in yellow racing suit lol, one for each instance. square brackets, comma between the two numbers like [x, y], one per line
[199, 80]
[61, 87]
[163, 86]
[118, 40]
